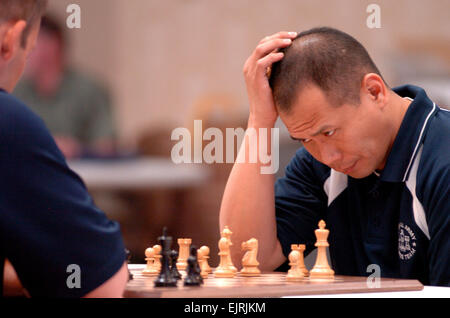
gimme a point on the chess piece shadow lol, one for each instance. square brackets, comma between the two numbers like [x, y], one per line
[128, 253]
[173, 265]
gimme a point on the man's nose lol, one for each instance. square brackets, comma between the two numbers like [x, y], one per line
[330, 155]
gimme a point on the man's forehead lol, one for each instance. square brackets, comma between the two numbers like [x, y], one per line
[309, 94]
[301, 125]
[310, 106]
[304, 120]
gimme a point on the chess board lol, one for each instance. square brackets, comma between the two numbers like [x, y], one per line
[267, 285]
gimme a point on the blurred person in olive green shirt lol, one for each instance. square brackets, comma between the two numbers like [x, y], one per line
[76, 109]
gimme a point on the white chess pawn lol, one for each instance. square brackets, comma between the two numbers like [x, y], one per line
[150, 269]
[201, 261]
[205, 251]
[158, 256]
[294, 273]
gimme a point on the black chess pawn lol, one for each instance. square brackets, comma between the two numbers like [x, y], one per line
[165, 278]
[127, 252]
[173, 266]
[193, 277]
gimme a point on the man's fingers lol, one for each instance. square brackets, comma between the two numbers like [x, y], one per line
[279, 35]
[270, 46]
[265, 64]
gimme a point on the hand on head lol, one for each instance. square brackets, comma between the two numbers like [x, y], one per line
[256, 71]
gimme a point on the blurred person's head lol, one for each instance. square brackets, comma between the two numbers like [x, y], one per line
[48, 55]
[332, 97]
[19, 28]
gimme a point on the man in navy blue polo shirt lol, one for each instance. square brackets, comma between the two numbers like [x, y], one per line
[375, 163]
[55, 239]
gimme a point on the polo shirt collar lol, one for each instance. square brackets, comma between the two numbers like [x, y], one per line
[410, 135]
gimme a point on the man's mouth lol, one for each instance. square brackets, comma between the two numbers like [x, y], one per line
[350, 168]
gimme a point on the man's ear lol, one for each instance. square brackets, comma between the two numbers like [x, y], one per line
[373, 87]
[12, 39]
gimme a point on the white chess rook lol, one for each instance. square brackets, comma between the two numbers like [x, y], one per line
[183, 253]
[301, 262]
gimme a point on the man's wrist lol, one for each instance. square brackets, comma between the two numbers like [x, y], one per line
[254, 122]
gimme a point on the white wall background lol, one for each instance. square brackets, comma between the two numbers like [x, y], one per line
[160, 56]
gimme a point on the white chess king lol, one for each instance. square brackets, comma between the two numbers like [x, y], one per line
[321, 269]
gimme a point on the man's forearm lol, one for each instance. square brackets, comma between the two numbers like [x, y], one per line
[12, 285]
[248, 205]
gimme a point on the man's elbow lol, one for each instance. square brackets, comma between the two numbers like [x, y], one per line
[274, 259]
[113, 287]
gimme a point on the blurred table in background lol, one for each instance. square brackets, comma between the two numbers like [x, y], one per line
[138, 174]
[438, 89]
[145, 194]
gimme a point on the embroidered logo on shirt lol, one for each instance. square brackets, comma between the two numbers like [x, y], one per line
[406, 242]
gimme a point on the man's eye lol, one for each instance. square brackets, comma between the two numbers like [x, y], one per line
[305, 141]
[330, 133]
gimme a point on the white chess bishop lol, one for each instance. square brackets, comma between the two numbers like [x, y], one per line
[225, 268]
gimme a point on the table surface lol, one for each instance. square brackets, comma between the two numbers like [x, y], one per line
[275, 285]
[426, 292]
[138, 174]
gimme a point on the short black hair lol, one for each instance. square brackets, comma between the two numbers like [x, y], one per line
[326, 57]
